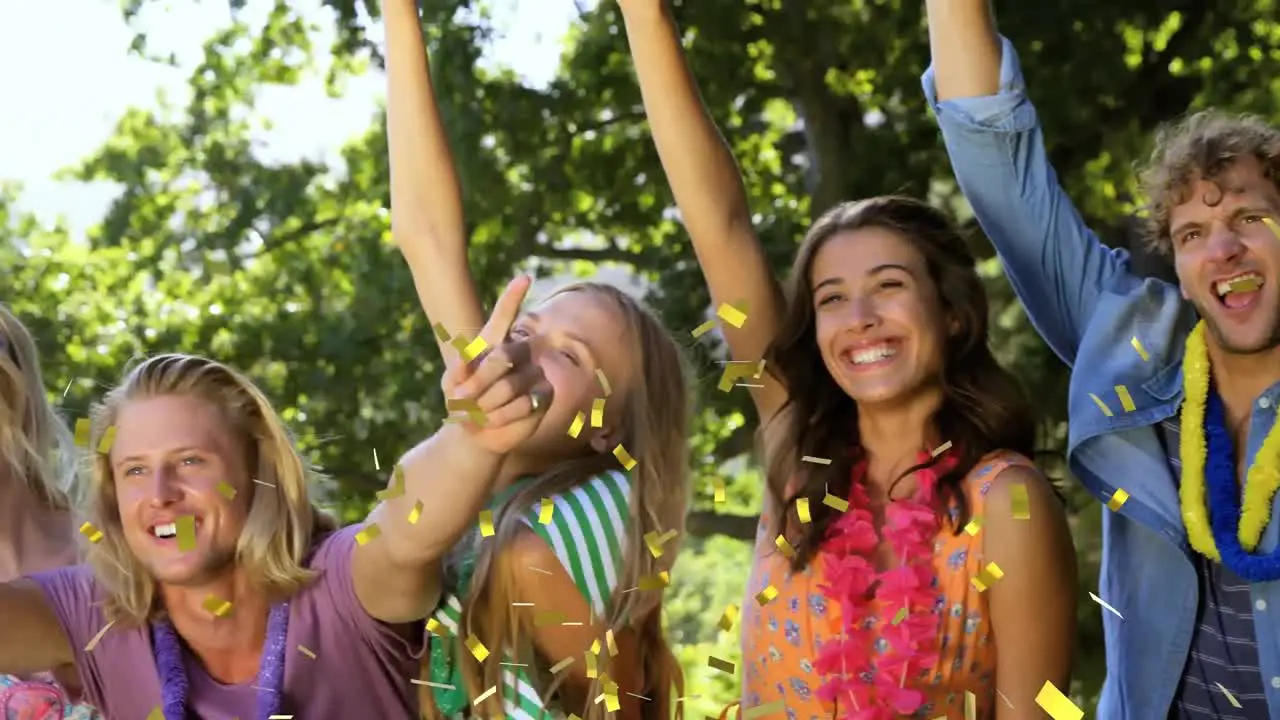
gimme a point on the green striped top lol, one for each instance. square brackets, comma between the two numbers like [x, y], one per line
[587, 532]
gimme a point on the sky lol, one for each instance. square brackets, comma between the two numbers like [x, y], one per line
[68, 77]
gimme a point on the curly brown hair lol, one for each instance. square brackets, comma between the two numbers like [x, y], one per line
[983, 407]
[1201, 146]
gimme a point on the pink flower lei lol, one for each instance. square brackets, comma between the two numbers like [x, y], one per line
[910, 528]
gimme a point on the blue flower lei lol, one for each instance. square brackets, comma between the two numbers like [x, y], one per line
[1224, 499]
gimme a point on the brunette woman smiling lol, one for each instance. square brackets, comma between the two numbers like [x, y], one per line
[910, 557]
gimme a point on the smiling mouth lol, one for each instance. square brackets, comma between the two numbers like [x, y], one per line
[170, 531]
[1238, 292]
[871, 356]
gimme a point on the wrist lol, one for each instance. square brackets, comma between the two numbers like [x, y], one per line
[459, 437]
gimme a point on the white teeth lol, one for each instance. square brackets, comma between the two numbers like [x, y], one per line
[1241, 283]
[165, 531]
[870, 355]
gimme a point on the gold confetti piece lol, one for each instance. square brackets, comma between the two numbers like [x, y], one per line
[1137, 345]
[604, 382]
[108, 440]
[91, 532]
[722, 665]
[1118, 500]
[486, 523]
[415, 514]
[477, 648]
[704, 328]
[307, 651]
[655, 582]
[597, 413]
[546, 511]
[562, 665]
[941, 449]
[590, 661]
[441, 334]
[1059, 706]
[1104, 604]
[370, 532]
[1005, 699]
[1270, 223]
[611, 703]
[802, 510]
[835, 503]
[731, 315]
[435, 627]
[484, 696]
[735, 371]
[773, 708]
[766, 596]
[816, 460]
[397, 485]
[784, 547]
[157, 713]
[653, 541]
[729, 617]
[611, 643]
[471, 408]
[544, 618]
[186, 533]
[98, 638]
[987, 577]
[900, 616]
[624, 457]
[1230, 698]
[470, 351]
[216, 606]
[83, 430]
[575, 428]
[595, 646]
[1126, 400]
[973, 526]
[1101, 405]
[718, 485]
[970, 706]
[225, 489]
[1019, 503]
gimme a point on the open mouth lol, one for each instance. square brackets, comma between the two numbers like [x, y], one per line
[869, 357]
[1239, 292]
[183, 528]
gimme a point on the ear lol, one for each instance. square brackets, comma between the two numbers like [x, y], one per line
[603, 441]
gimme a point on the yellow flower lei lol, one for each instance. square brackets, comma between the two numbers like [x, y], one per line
[1261, 482]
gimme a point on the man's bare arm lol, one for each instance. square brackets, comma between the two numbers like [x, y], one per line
[32, 639]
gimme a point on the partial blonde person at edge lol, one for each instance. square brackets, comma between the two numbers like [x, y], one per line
[37, 476]
[592, 342]
[879, 355]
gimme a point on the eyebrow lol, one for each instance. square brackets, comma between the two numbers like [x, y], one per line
[885, 267]
[535, 317]
[1235, 215]
[175, 451]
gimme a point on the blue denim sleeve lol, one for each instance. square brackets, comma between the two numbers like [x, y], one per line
[1056, 264]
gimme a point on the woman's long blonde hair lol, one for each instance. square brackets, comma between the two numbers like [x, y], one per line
[655, 421]
[35, 446]
[279, 530]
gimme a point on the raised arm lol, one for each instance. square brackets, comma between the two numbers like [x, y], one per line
[707, 187]
[426, 199]
[33, 640]
[1057, 265]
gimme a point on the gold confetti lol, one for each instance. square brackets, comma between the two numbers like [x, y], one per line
[766, 596]
[1101, 405]
[773, 708]
[370, 532]
[484, 696]
[545, 618]
[590, 661]
[970, 706]
[987, 577]
[802, 510]
[731, 315]
[1230, 698]
[1126, 400]
[1059, 706]
[157, 713]
[836, 503]
[595, 646]
[471, 408]
[441, 334]
[1020, 504]
[653, 541]
[900, 616]
[624, 457]
[729, 617]
[108, 440]
[704, 328]
[611, 643]
[226, 490]
[735, 371]
[1271, 224]
[816, 460]
[655, 582]
[397, 485]
[415, 514]
[1137, 345]
[470, 351]
[604, 383]
[562, 665]
[91, 532]
[1104, 604]
[434, 627]
[307, 651]
[941, 449]
[722, 665]
[98, 638]
[216, 606]
[784, 547]
[973, 526]
[486, 523]
[575, 428]
[186, 533]
[83, 430]
[718, 485]
[597, 413]
[477, 648]
[1118, 500]
[546, 511]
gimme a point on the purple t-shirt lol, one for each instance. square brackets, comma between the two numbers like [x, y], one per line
[362, 667]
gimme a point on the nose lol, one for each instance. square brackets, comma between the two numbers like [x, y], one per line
[164, 487]
[1225, 243]
[862, 315]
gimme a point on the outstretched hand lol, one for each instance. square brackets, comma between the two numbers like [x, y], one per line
[502, 392]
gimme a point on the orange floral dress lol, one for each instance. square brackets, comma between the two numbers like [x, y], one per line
[780, 639]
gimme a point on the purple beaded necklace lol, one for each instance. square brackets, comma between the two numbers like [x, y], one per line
[173, 674]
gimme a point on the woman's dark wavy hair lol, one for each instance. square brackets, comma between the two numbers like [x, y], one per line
[983, 407]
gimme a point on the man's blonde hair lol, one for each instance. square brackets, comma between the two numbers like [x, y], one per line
[279, 530]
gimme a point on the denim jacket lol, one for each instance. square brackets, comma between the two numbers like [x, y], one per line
[1088, 304]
